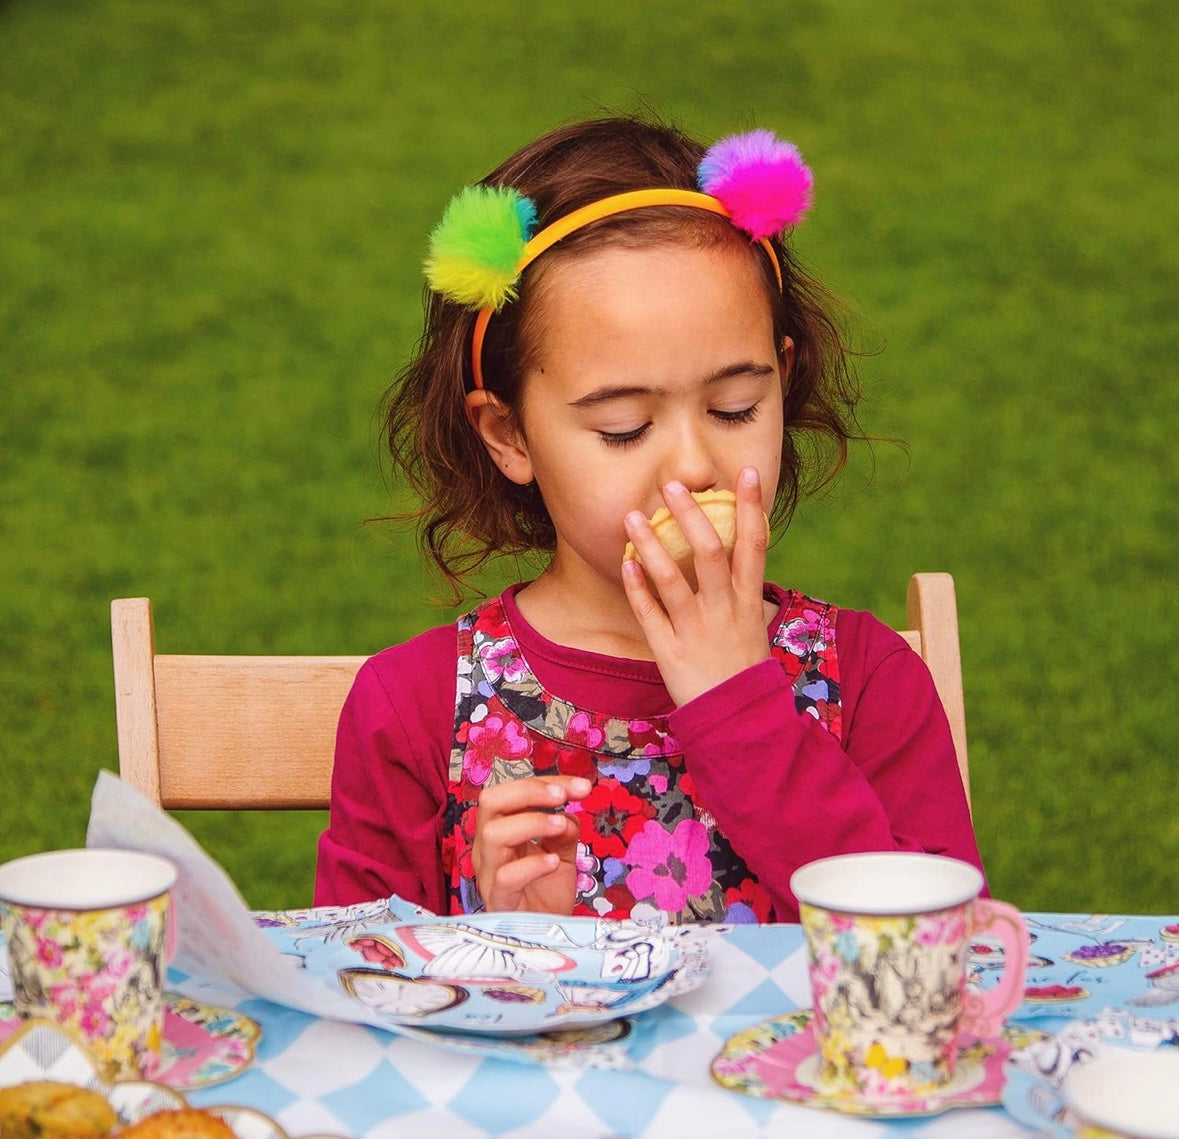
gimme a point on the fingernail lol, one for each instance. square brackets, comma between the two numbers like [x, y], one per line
[557, 821]
[555, 792]
[674, 487]
[633, 519]
[579, 787]
[749, 476]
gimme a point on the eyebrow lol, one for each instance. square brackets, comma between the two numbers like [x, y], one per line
[622, 391]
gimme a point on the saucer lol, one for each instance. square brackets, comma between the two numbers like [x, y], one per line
[203, 1044]
[778, 1059]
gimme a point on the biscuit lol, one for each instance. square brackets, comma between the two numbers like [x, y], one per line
[186, 1123]
[43, 1108]
[720, 507]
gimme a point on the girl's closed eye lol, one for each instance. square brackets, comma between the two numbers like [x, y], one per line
[744, 415]
[623, 438]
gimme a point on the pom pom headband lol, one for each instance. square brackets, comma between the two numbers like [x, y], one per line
[486, 238]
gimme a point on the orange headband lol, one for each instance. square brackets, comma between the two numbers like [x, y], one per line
[578, 219]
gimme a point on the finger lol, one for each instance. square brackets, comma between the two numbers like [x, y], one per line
[650, 614]
[538, 792]
[503, 836]
[749, 554]
[710, 559]
[659, 567]
[510, 881]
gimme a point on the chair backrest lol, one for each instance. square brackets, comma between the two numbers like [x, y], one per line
[224, 731]
[932, 613]
[259, 731]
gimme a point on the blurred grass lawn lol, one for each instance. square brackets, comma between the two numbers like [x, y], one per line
[212, 220]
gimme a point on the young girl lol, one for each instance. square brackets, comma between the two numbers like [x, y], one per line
[617, 324]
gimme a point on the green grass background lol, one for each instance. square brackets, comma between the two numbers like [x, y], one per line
[211, 223]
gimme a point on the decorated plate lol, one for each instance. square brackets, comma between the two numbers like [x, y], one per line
[778, 1059]
[501, 974]
[39, 1050]
[203, 1044]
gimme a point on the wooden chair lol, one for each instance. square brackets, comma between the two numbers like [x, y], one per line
[259, 731]
[931, 610]
[224, 731]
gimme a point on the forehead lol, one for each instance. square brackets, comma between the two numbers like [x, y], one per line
[668, 300]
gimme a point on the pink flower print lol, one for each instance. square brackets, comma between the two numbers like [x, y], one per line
[585, 864]
[929, 932]
[581, 731]
[658, 784]
[955, 925]
[827, 967]
[136, 914]
[876, 1085]
[940, 929]
[94, 1020]
[491, 740]
[810, 633]
[119, 962]
[65, 999]
[101, 988]
[671, 866]
[503, 659]
[49, 953]
[650, 738]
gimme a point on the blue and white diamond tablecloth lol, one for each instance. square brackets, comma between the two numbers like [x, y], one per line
[317, 1076]
[1095, 981]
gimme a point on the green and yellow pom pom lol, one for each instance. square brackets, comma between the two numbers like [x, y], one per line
[476, 246]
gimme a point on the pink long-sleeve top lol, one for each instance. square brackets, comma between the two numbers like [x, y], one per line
[781, 788]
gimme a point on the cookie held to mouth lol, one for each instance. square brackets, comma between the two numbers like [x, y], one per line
[719, 506]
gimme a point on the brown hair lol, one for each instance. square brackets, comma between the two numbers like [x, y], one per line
[470, 513]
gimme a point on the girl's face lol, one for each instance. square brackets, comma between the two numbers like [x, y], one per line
[652, 365]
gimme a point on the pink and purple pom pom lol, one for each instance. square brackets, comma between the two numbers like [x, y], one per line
[760, 179]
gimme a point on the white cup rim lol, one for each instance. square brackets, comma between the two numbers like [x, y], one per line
[886, 883]
[84, 879]
[1142, 1084]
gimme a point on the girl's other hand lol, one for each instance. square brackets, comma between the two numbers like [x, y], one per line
[700, 639]
[526, 845]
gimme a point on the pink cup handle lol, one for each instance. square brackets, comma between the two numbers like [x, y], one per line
[983, 1013]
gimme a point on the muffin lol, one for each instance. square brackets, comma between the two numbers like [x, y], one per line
[42, 1108]
[720, 506]
[186, 1123]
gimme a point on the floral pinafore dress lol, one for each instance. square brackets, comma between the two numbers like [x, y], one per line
[646, 842]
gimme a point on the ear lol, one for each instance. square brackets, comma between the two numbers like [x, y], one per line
[496, 426]
[786, 360]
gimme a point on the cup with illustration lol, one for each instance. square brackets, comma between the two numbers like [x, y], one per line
[888, 937]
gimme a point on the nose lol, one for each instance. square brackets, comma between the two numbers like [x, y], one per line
[690, 459]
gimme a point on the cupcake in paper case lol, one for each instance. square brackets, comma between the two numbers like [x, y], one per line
[1170, 932]
[1054, 994]
[1101, 956]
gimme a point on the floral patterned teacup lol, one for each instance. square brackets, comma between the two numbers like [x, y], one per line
[89, 934]
[1124, 1094]
[887, 941]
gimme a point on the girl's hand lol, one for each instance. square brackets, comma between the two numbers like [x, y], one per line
[525, 844]
[702, 638]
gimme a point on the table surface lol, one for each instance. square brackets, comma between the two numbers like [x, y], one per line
[318, 1076]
